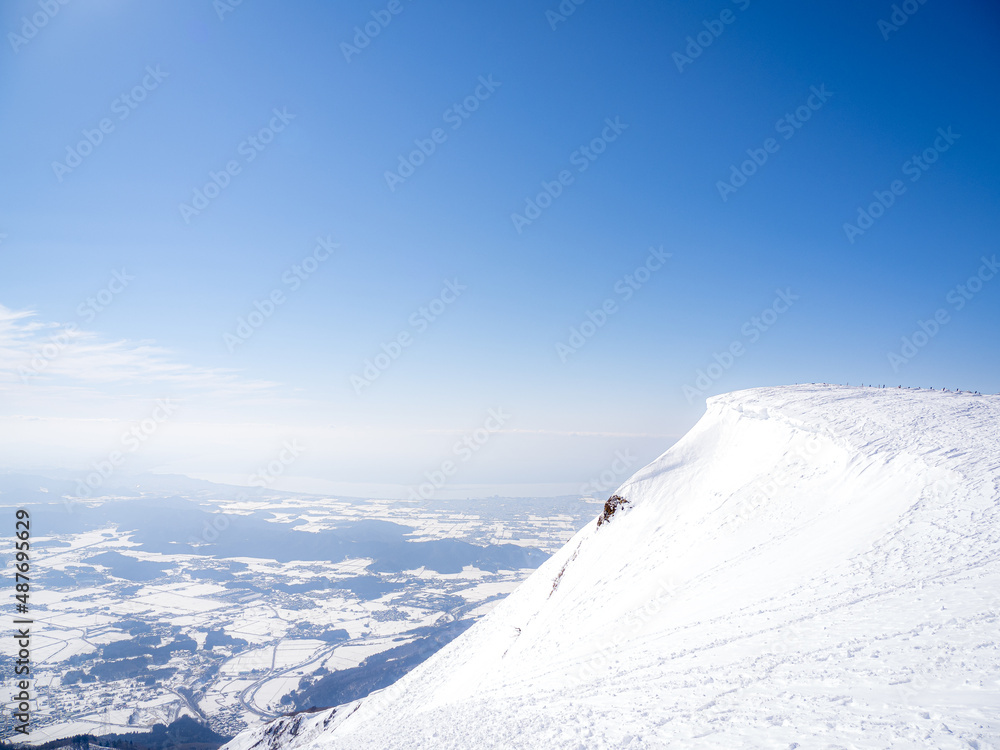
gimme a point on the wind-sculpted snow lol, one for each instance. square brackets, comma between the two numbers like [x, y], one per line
[811, 566]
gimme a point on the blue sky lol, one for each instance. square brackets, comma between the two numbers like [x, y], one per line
[845, 100]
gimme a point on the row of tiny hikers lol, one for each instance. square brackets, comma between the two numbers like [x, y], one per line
[916, 388]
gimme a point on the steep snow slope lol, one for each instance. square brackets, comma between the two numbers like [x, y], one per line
[812, 564]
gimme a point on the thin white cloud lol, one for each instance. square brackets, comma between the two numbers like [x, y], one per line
[64, 363]
[583, 433]
[65, 356]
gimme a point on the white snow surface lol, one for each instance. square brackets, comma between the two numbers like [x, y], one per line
[811, 566]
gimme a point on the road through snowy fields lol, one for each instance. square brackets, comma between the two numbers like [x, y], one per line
[811, 566]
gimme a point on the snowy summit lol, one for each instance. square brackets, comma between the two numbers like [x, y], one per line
[810, 566]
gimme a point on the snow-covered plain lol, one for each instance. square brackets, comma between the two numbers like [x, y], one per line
[811, 566]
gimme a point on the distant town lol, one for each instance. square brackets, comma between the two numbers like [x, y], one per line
[233, 610]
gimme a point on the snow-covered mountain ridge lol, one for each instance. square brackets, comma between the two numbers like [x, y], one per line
[810, 566]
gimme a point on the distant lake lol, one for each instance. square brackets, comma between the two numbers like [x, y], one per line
[177, 526]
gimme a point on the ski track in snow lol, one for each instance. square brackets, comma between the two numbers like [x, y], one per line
[811, 566]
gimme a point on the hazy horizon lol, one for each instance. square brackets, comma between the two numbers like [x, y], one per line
[510, 247]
